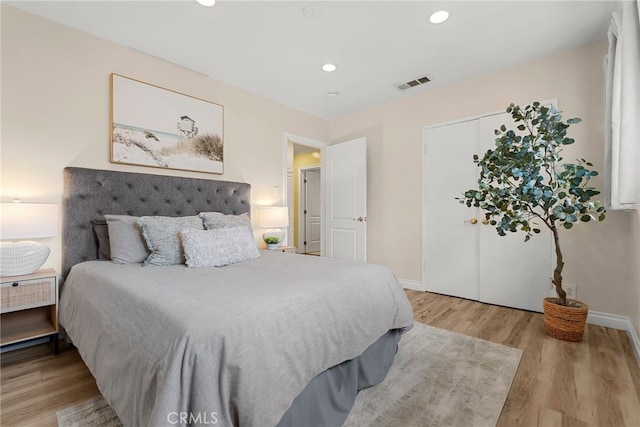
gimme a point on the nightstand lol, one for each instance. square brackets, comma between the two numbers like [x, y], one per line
[29, 307]
[287, 249]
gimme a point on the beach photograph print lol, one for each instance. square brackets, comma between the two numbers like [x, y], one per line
[153, 126]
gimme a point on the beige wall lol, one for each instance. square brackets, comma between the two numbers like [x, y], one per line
[598, 256]
[55, 113]
[634, 285]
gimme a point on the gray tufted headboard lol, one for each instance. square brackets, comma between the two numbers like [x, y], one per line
[90, 193]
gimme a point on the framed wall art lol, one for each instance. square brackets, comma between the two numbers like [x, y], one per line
[157, 127]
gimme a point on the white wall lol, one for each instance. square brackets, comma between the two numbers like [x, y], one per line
[55, 113]
[598, 256]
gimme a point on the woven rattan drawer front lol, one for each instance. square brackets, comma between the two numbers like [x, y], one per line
[22, 294]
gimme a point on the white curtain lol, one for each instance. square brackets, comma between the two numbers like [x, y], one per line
[622, 131]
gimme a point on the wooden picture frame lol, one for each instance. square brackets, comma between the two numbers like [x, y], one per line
[157, 127]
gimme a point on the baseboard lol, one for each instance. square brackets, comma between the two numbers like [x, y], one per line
[411, 284]
[617, 322]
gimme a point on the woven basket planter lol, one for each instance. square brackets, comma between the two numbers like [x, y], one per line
[565, 322]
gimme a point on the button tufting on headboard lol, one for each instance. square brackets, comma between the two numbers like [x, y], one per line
[90, 194]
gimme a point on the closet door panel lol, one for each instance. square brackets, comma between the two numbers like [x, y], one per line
[449, 238]
[511, 272]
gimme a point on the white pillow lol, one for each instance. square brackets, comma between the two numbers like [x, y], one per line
[126, 244]
[218, 247]
[162, 234]
[213, 220]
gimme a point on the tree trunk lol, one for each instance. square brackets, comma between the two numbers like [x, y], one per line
[557, 272]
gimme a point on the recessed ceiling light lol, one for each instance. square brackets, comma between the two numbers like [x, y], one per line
[311, 11]
[439, 17]
[329, 68]
[333, 94]
[207, 3]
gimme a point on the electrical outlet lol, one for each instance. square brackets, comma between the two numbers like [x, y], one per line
[571, 290]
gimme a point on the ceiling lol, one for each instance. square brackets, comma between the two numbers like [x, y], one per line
[276, 50]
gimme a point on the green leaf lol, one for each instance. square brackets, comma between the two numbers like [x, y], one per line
[524, 175]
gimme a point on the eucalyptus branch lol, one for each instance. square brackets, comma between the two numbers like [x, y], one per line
[544, 219]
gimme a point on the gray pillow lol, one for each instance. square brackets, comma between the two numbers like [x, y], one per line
[218, 247]
[162, 234]
[101, 231]
[213, 220]
[126, 243]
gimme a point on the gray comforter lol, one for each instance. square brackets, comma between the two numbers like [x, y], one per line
[226, 346]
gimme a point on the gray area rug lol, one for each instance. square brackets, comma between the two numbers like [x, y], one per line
[439, 378]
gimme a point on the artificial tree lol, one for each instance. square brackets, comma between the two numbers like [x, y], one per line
[523, 182]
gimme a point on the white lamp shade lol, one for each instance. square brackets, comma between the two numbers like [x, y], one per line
[28, 220]
[273, 216]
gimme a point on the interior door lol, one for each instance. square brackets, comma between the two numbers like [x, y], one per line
[463, 256]
[511, 272]
[312, 210]
[345, 176]
[449, 237]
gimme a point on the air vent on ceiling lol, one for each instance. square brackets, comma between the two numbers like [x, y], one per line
[413, 83]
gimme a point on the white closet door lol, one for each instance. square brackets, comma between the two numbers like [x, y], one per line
[511, 272]
[449, 238]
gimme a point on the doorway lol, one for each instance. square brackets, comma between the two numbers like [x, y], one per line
[343, 194]
[304, 155]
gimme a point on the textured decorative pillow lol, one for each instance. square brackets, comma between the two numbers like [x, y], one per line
[101, 231]
[125, 239]
[213, 220]
[162, 234]
[218, 247]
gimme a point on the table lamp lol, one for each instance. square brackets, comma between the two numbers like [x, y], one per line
[25, 221]
[273, 217]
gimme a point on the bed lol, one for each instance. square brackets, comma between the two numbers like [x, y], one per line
[277, 340]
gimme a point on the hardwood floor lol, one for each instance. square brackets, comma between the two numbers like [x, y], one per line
[592, 383]
[595, 382]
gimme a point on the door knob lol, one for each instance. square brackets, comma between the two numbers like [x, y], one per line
[473, 220]
[359, 219]
[485, 221]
